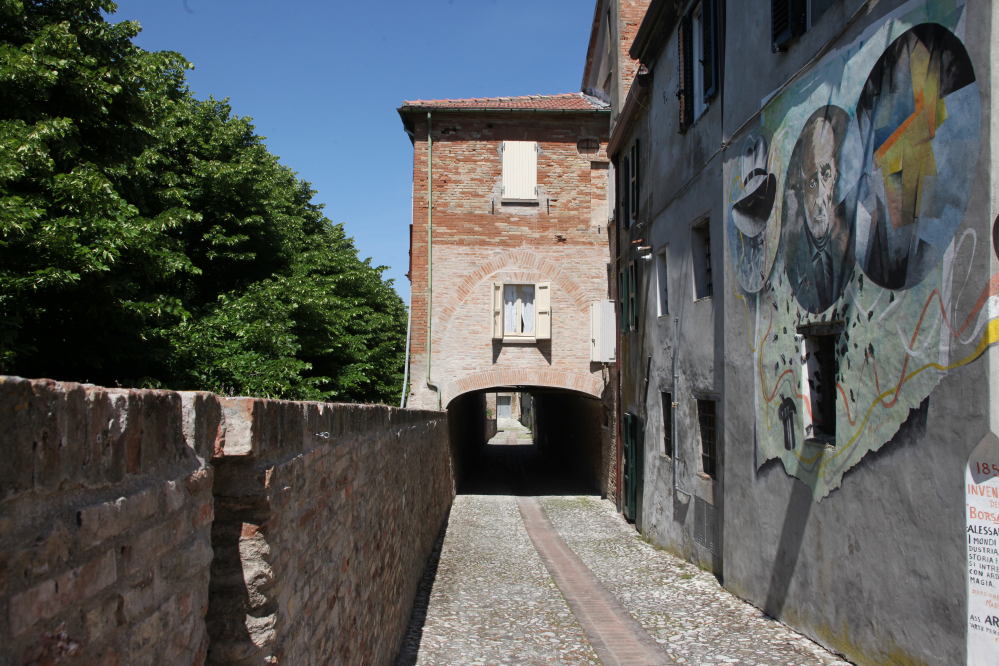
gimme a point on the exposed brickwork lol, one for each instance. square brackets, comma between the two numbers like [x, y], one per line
[112, 548]
[479, 239]
[105, 514]
[325, 517]
[631, 14]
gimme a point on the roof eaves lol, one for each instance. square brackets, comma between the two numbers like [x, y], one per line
[594, 31]
[651, 31]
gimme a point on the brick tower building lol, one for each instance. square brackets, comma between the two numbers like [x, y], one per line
[517, 213]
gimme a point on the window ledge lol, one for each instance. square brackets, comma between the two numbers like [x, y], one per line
[520, 202]
[822, 442]
[704, 477]
[518, 341]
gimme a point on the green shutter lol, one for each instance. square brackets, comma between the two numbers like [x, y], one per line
[622, 299]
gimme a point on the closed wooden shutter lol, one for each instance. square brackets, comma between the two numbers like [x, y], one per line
[622, 299]
[788, 19]
[685, 64]
[625, 190]
[633, 295]
[633, 197]
[543, 304]
[709, 44]
[497, 311]
[520, 170]
[780, 24]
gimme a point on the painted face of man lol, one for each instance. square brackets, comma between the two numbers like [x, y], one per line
[819, 166]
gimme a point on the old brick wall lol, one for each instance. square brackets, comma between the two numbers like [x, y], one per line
[325, 516]
[112, 548]
[105, 515]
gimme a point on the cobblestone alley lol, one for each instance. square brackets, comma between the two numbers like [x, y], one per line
[532, 570]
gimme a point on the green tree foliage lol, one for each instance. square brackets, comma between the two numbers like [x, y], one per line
[150, 239]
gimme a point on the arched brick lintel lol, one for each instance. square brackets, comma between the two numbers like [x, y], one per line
[521, 257]
[572, 381]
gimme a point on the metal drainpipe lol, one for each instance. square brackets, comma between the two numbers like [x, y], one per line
[409, 329]
[409, 322]
[676, 444]
[430, 253]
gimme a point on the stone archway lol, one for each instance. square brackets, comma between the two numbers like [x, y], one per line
[587, 384]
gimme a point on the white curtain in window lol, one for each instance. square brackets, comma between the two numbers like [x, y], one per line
[527, 301]
[510, 308]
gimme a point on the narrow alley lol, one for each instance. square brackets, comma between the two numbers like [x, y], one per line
[532, 567]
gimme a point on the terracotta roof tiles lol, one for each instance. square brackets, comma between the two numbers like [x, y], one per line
[562, 102]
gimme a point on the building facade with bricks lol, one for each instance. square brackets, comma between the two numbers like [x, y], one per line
[519, 250]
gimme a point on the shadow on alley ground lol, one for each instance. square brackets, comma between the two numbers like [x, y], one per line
[511, 466]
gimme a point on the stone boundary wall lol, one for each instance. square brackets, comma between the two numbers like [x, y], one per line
[105, 518]
[113, 550]
[325, 517]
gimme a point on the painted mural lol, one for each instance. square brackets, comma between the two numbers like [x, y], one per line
[845, 229]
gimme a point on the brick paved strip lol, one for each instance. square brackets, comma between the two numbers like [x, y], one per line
[616, 637]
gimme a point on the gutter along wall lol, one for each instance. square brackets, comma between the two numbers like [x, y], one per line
[316, 538]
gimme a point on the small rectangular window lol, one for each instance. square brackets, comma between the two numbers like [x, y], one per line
[662, 301]
[518, 309]
[667, 400]
[819, 387]
[706, 421]
[633, 295]
[701, 260]
[520, 170]
[792, 18]
[521, 311]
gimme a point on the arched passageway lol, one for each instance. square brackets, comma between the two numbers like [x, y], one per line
[551, 442]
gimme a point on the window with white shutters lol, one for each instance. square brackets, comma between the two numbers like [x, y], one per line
[521, 311]
[520, 170]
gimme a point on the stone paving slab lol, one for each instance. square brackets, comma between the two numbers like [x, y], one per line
[493, 600]
[686, 610]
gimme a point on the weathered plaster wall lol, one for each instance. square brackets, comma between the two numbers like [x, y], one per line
[105, 513]
[865, 549]
[681, 188]
[866, 552]
[325, 517]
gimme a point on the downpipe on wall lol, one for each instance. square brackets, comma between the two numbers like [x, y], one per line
[409, 329]
[430, 254]
[409, 319]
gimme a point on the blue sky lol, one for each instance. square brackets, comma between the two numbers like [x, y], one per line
[322, 81]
